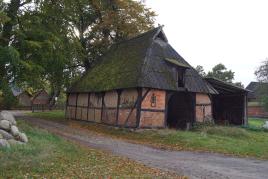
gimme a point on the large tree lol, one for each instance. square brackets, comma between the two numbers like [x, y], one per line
[9, 56]
[262, 71]
[220, 72]
[49, 43]
[200, 70]
[262, 75]
[99, 23]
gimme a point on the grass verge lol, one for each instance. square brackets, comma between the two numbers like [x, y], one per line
[49, 156]
[227, 140]
[256, 122]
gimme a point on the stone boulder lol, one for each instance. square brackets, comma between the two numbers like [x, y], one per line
[4, 143]
[9, 132]
[5, 115]
[23, 137]
[14, 131]
[265, 125]
[14, 142]
[6, 135]
[5, 124]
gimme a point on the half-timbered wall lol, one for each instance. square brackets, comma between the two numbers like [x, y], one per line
[117, 107]
[95, 107]
[203, 107]
[71, 106]
[110, 108]
[127, 109]
[82, 103]
[153, 109]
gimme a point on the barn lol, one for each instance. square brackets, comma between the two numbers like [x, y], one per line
[24, 97]
[144, 83]
[40, 101]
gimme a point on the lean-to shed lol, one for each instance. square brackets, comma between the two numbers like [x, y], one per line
[141, 83]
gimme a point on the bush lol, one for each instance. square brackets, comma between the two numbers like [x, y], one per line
[203, 125]
[255, 129]
[227, 131]
[8, 100]
[234, 132]
[265, 102]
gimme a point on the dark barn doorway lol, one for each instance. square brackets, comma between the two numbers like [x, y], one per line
[230, 104]
[228, 109]
[180, 110]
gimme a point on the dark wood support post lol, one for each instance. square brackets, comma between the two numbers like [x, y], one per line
[32, 107]
[139, 101]
[66, 104]
[76, 100]
[88, 102]
[194, 108]
[166, 108]
[102, 105]
[117, 107]
[245, 110]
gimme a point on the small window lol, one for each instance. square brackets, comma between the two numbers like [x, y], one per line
[153, 100]
[180, 77]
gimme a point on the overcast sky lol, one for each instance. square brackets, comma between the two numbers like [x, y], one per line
[207, 32]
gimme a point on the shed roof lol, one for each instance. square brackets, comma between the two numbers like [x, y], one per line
[146, 60]
[224, 87]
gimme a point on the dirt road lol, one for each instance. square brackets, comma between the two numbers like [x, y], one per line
[194, 165]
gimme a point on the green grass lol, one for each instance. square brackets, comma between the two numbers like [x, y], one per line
[256, 122]
[235, 141]
[49, 156]
[57, 114]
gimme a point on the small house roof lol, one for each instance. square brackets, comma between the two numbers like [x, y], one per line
[36, 94]
[255, 88]
[147, 60]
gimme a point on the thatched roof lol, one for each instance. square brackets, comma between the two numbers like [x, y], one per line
[143, 61]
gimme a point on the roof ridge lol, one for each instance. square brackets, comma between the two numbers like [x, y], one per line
[137, 36]
[231, 84]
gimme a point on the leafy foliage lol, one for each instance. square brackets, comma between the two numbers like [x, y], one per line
[48, 44]
[100, 23]
[200, 70]
[262, 71]
[262, 75]
[220, 72]
[265, 102]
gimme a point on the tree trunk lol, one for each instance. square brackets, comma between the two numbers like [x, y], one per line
[55, 93]
[12, 12]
